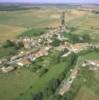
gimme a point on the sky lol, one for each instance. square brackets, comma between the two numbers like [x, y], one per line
[53, 1]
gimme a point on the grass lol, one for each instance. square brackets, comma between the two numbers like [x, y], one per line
[6, 52]
[41, 83]
[16, 22]
[12, 23]
[89, 81]
[16, 85]
[92, 55]
[27, 18]
[33, 32]
[9, 32]
[12, 84]
[86, 25]
[86, 94]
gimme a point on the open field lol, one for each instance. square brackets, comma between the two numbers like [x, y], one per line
[12, 84]
[7, 52]
[88, 81]
[87, 25]
[86, 94]
[20, 82]
[28, 18]
[12, 23]
[9, 32]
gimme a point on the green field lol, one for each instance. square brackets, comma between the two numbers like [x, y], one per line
[19, 83]
[86, 94]
[88, 80]
[12, 23]
[33, 32]
[86, 25]
[7, 52]
[12, 84]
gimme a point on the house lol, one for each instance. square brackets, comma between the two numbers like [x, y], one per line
[91, 64]
[79, 47]
[40, 53]
[7, 69]
[24, 62]
[64, 46]
[48, 47]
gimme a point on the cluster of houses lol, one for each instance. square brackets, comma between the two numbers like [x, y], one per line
[39, 46]
[93, 65]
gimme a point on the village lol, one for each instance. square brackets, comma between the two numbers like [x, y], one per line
[35, 48]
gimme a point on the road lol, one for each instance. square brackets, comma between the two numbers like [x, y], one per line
[66, 84]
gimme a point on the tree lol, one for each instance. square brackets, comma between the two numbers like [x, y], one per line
[53, 84]
[73, 38]
[56, 42]
[86, 38]
[72, 29]
[58, 97]
[38, 96]
[8, 43]
[43, 71]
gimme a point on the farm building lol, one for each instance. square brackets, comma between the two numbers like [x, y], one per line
[7, 69]
[24, 62]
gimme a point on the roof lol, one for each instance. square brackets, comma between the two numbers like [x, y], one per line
[7, 69]
[77, 45]
[96, 61]
[80, 45]
[41, 52]
[24, 62]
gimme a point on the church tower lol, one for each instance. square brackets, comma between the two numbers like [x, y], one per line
[63, 19]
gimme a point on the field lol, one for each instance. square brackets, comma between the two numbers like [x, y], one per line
[12, 84]
[88, 81]
[87, 25]
[86, 94]
[12, 23]
[9, 32]
[7, 52]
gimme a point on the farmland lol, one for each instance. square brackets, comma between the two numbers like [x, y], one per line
[87, 81]
[86, 94]
[87, 25]
[13, 23]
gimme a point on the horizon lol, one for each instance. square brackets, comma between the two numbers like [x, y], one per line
[51, 1]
